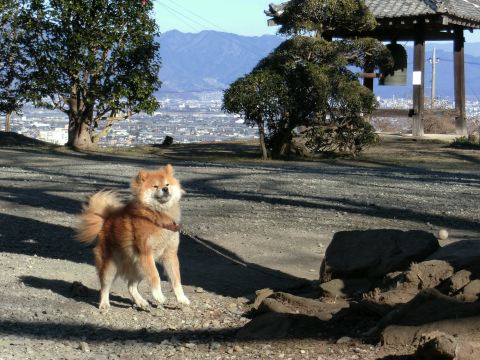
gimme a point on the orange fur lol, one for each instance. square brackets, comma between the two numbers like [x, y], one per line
[130, 237]
[100, 206]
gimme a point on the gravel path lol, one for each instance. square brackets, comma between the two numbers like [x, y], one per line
[246, 226]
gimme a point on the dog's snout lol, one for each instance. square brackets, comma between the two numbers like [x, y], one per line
[165, 189]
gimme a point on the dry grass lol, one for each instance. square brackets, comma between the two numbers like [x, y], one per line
[432, 151]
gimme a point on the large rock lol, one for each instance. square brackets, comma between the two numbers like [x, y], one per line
[464, 329]
[440, 346]
[278, 326]
[464, 254]
[345, 288]
[374, 253]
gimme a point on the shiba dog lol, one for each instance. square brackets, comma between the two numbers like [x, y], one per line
[130, 237]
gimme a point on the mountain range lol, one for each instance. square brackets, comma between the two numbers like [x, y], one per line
[208, 61]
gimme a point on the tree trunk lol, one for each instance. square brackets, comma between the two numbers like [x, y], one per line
[282, 143]
[7, 121]
[263, 147]
[79, 135]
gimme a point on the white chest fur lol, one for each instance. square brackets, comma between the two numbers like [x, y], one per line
[162, 240]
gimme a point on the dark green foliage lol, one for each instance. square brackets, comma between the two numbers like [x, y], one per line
[95, 60]
[325, 16]
[471, 142]
[260, 97]
[312, 84]
[11, 68]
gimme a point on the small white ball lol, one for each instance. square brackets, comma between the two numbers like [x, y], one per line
[443, 234]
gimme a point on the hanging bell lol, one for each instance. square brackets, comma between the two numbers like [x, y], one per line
[399, 74]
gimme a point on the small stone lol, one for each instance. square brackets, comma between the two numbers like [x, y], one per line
[199, 290]
[230, 351]
[443, 234]
[216, 323]
[214, 345]
[344, 339]
[237, 348]
[84, 347]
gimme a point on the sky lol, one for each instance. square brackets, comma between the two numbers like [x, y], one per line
[243, 17]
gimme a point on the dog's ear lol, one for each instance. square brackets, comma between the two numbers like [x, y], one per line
[169, 169]
[141, 176]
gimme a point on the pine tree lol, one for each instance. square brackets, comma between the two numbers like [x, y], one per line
[320, 89]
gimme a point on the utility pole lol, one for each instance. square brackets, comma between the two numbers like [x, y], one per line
[434, 61]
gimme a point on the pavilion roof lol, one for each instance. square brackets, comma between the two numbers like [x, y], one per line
[456, 12]
[460, 9]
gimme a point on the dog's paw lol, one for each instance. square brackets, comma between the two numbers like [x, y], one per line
[142, 304]
[104, 306]
[182, 299]
[158, 296]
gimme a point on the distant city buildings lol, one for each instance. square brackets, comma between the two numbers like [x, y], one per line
[186, 121]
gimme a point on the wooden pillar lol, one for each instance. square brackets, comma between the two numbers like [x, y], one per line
[368, 82]
[459, 80]
[419, 88]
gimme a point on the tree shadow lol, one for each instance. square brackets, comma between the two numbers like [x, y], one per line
[466, 157]
[203, 263]
[204, 188]
[207, 151]
[39, 198]
[65, 289]
[221, 271]
[88, 332]
[27, 236]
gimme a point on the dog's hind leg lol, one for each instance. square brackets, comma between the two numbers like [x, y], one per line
[107, 274]
[172, 267]
[133, 290]
[148, 267]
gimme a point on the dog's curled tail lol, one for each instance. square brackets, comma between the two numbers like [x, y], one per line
[98, 208]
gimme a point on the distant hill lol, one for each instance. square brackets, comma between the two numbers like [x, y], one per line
[211, 60]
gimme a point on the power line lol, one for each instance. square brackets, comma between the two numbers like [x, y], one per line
[198, 16]
[465, 62]
[190, 19]
[180, 18]
[180, 14]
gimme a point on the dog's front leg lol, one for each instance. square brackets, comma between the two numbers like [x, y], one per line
[150, 270]
[172, 267]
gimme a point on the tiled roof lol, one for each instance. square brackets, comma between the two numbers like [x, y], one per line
[465, 9]
[462, 9]
[400, 8]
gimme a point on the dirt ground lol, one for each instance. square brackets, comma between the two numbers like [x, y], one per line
[247, 225]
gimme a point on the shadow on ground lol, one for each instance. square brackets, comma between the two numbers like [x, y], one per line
[203, 264]
[67, 290]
